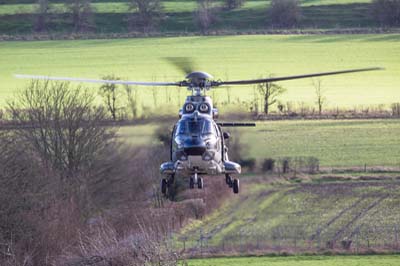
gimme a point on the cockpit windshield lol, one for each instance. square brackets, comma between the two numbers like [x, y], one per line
[191, 127]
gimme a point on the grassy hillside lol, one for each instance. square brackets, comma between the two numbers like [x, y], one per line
[226, 57]
[387, 260]
[110, 16]
[308, 216]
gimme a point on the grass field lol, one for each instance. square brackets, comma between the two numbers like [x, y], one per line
[169, 6]
[226, 57]
[301, 217]
[387, 260]
[336, 143]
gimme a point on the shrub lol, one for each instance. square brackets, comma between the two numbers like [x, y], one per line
[386, 12]
[268, 165]
[232, 4]
[205, 15]
[284, 13]
[146, 15]
[250, 163]
[163, 134]
[395, 109]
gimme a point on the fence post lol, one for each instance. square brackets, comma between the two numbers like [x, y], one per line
[201, 241]
[356, 240]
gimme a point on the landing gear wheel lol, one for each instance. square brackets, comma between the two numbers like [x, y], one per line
[171, 180]
[200, 183]
[164, 185]
[235, 186]
[191, 182]
[228, 180]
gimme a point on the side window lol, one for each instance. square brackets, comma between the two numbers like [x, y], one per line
[180, 128]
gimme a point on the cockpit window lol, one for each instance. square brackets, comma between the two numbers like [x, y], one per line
[194, 127]
[208, 128]
[188, 127]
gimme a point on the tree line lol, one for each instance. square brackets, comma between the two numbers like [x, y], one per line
[146, 15]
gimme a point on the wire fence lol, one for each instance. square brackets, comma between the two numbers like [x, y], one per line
[361, 239]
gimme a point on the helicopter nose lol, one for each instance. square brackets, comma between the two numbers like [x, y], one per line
[194, 146]
[195, 150]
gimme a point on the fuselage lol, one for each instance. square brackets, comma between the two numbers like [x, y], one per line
[197, 145]
[197, 142]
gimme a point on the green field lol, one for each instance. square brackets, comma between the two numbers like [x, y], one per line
[387, 260]
[336, 143]
[305, 217]
[110, 16]
[169, 6]
[226, 57]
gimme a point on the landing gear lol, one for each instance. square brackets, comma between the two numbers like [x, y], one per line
[228, 180]
[200, 183]
[235, 186]
[166, 184]
[191, 182]
[232, 183]
[195, 180]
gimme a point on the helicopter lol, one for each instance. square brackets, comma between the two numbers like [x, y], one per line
[198, 144]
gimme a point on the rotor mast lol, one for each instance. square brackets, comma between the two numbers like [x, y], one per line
[198, 82]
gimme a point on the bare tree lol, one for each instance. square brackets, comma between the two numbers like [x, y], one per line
[148, 14]
[42, 15]
[205, 15]
[284, 13]
[82, 14]
[270, 91]
[319, 93]
[62, 126]
[110, 94]
[386, 12]
[133, 103]
[232, 4]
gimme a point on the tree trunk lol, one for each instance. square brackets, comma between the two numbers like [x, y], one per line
[266, 104]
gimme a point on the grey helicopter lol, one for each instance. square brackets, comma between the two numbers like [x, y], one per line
[198, 143]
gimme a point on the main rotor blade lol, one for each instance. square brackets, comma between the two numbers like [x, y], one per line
[103, 81]
[236, 124]
[266, 80]
[184, 64]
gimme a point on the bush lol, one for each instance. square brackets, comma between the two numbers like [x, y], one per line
[250, 163]
[163, 134]
[284, 13]
[386, 12]
[205, 15]
[146, 15]
[105, 247]
[232, 4]
[268, 165]
[395, 109]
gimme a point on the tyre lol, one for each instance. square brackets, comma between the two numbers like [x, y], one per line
[164, 185]
[191, 183]
[200, 183]
[228, 179]
[235, 186]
